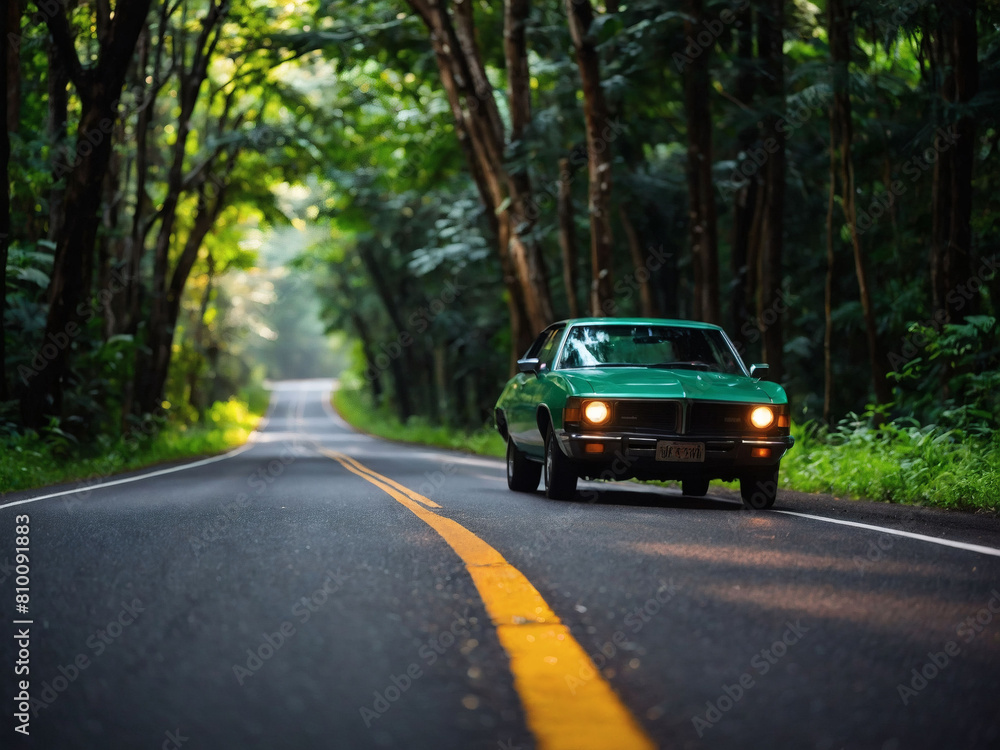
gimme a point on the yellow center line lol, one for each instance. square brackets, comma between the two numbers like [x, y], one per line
[363, 471]
[544, 656]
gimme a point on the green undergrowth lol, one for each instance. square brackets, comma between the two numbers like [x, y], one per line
[899, 463]
[31, 460]
[355, 407]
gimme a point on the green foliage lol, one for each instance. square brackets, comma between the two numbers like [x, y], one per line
[899, 463]
[955, 382]
[30, 460]
[336, 122]
[355, 406]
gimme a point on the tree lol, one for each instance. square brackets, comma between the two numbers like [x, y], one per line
[841, 140]
[99, 87]
[5, 128]
[703, 225]
[957, 51]
[481, 133]
[599, 162]
[568, 250]
[770, 42]
[166, 288]
[745, 188]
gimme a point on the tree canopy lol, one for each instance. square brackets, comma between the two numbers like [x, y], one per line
[819, 179]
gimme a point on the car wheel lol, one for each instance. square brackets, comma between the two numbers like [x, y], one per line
[560, 477]
[522, 473]
[695, 486]
[759, 488]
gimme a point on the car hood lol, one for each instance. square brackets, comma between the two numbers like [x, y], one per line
[652, 382]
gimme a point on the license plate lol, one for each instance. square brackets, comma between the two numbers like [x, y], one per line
[682, 452]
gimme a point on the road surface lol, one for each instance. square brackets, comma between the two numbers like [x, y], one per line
[324, 589]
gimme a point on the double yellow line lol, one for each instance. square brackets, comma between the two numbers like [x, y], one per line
[542, 651]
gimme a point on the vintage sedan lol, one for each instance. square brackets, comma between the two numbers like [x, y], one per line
[612, 398]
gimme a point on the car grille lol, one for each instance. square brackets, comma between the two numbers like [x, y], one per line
[717, 419]
[658, 415]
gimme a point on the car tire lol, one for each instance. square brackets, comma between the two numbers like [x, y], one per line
[759, 488]
[695, 487]
[560, 476]
[522, 473]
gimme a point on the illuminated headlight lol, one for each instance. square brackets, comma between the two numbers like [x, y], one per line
[596, 412]
[762, 417]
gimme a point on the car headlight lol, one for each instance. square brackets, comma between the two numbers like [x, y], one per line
[762, 417]
[596, 412]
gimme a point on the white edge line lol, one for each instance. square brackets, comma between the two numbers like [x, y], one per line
[126, 480]
[895, 532]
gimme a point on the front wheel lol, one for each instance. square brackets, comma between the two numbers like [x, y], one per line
[759, 488]
[695, 486]
[560, 476]
[522, 473]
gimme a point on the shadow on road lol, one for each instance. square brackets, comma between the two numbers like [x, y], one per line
[644, 497]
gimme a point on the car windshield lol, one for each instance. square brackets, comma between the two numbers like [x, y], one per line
[668, 347]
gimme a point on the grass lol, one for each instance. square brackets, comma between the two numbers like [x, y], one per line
[356, 409]
[898, 464]
[30, 461]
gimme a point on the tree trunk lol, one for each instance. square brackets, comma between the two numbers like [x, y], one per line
[4, 201]
[840, 33]
[745, 195]
[958, 45]
[153, 361]
[99, 88]
[524, 209]
[831, 239]
[770, 308]
[161, 343]
[641, 274]
[406, 372]
[701, 193]
[12, 62]
[476, 125]
[599, 163]
[522, 249]
[56, 127]
[567, 236]
[195, 398]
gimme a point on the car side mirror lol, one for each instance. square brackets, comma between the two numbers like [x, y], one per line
[759, 371]
[529, 365]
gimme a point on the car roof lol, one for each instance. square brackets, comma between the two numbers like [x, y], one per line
[637, 321]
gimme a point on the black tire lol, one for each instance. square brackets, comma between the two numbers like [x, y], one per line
[522, 473]
[759, 488]
[560, 476]
[695, 486]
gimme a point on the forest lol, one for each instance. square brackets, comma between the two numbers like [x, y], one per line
[204, 193]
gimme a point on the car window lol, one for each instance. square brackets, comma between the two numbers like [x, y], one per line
[536, 346]
[548, 350]
[671, 347]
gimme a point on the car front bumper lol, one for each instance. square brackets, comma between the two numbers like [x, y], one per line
[625, 454]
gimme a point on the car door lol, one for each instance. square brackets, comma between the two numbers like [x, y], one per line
[532, 389]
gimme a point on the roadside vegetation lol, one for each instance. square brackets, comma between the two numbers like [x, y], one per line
[920, 450]
[355, 405]
[900, 463]
[33, 459]
[819, 179]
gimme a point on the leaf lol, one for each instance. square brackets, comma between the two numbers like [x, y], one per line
[33, 275]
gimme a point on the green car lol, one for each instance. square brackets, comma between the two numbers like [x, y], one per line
[613, 398]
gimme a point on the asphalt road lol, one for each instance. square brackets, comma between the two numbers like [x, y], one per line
[290, 596]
